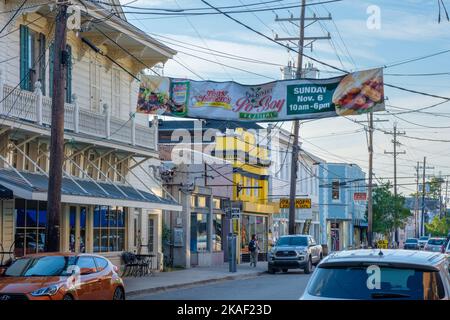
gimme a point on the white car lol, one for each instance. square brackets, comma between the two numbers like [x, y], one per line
[380, 274]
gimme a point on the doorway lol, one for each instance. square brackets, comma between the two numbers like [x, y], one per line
[335, 241]
[77, 229]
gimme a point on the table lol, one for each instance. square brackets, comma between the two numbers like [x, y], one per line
[146, 262]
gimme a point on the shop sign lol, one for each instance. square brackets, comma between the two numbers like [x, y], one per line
[300, 203]
[360, 196]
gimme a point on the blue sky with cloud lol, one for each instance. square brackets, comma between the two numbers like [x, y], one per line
[409, 29]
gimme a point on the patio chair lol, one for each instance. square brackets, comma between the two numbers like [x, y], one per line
[132, 265]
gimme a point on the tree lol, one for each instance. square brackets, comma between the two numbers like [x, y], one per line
[389, 212]
[438, 227]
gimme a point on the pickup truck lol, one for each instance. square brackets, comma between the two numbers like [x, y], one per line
[294, 252]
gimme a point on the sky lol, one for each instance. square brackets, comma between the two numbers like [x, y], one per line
[407, 29]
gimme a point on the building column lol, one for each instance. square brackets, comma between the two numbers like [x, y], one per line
[90, 229]
[210, 225]
[65, 228]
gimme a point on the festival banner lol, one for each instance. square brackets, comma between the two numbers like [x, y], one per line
[353, 94]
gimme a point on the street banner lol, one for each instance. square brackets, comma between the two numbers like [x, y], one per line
[353, 94]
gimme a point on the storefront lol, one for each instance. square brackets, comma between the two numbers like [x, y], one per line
[88, 223]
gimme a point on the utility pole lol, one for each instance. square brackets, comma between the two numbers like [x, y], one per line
[446, 196]
[57, 130]
[395, 133]
[416, 207]
[370, 186]
[295, 147]
[422, 217]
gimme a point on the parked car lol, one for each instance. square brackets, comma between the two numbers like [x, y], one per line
[435, 245]
[423, 241]
[447, 250]
[61, 276]
[294, 252]
[411, 244]
[380, 274]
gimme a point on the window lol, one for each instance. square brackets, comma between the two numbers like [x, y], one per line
[248, 185]
[335, 190]
[201, 202]
[193, 201]
[199, 232]
[217, 232]
[68, 75]
[109, 229]
[217, 203]
[101, 263]
[151, 235]
[32, 58]
[31, 221]
[86, 263]
[256, 189]
[116, 92]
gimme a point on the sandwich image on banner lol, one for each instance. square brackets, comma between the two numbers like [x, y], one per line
[285, 100]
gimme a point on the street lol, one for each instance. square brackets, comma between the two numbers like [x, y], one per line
[280, 286]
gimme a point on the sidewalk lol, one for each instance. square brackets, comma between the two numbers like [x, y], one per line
[161, 281]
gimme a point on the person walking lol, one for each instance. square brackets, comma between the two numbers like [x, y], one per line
[253, 247]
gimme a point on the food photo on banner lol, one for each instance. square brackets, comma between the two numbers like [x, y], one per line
[353, 94]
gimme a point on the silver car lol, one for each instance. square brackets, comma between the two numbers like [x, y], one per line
[435, 245]
[390, 274]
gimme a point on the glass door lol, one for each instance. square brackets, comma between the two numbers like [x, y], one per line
[77, 229]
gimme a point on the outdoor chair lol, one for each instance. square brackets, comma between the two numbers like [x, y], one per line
[131, 264]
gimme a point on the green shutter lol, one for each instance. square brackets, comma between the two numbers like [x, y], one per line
[42, 46]
[50, 75]
[69, 75]
[24, 58]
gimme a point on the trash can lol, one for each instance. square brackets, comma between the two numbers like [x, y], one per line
[324, 249]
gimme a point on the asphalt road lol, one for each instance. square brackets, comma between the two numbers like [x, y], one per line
[280, 286]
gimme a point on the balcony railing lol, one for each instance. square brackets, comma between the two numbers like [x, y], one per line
[36, 108]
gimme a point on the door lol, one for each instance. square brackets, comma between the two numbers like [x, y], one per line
[77, 227]
[90, 282]
[105, 275]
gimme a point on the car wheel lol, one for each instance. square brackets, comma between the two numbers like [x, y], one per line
[68, 297]
[309, 266]
[119, 294]
[285, 270]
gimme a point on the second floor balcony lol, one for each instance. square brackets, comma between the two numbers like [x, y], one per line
[34, 108]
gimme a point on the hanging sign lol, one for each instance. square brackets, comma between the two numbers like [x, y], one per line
[352, 94]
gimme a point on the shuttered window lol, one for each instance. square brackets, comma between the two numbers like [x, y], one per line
[32, 58]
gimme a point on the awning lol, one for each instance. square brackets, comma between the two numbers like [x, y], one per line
[33, 186]
[5, 193]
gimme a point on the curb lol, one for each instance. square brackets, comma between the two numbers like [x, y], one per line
[192, 284]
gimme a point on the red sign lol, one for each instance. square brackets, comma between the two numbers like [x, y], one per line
[360, 196]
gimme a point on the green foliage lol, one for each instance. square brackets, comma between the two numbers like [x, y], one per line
[438, 227]
[389, 212]
[166, 234]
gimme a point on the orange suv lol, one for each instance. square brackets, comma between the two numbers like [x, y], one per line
[61, 276]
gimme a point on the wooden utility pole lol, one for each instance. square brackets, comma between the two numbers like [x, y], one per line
[422, 218]
[370, 184]
[52, 238]
[395, 133]
[416, 211]
[369, 189]
[299, 75]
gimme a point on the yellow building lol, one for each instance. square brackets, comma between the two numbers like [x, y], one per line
[251, 186]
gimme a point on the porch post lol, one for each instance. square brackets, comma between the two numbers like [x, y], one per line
[107, 113]
[38, 93]
[76, 115]
[133, 128]
[2, 82]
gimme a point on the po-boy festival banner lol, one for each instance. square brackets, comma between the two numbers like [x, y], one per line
[353, 94]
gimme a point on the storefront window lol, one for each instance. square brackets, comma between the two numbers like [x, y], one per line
[109, 229]
[254, 225]
[31, 221]
[217, 232]
[216, 203]
[199, 232]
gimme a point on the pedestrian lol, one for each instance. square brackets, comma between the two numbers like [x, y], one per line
[253, 247]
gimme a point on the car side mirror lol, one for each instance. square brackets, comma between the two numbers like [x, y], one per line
[85, 271]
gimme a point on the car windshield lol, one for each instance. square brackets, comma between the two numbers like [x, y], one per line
[411, 241]
[40, 266]
[292, 241]
[436, 242]
[361, 283]
[423, 238]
